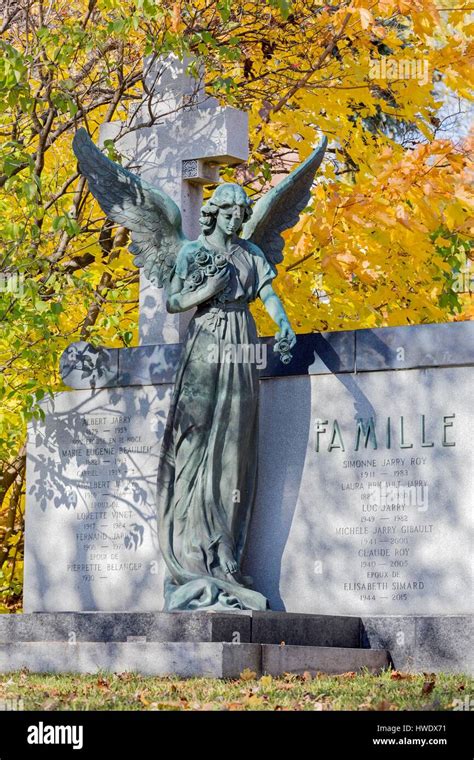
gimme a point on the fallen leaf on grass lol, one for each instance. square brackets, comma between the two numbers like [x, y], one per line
[125, 676]
[429, 683]
[248, 675]
[397, 675]
[253, 701]
[266, 682]
[428, 686]
[54, 693]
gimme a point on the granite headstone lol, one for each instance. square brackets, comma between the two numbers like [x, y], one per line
[365, 479]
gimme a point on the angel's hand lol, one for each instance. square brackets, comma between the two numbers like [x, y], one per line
[217, 282]
[184, 298]
[286, 332]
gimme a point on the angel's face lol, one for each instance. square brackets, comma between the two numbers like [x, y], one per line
[230, 218]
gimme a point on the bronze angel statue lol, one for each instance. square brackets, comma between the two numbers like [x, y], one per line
[207, 471]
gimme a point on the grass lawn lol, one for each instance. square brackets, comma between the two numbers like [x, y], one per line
[389, 691]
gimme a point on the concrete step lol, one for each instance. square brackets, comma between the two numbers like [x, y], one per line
[416, 643]
[332, 660]
[305, 630]
[125, 626]
[185, 659]
[235, 627]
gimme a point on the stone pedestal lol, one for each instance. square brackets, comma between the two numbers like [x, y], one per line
[224, 644]
[365, 478]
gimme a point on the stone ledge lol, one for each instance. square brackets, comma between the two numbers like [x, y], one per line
[125, 626]
[387, 348]
[415, 346]
[241, 626]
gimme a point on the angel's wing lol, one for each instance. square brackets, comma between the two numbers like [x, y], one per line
[280, 208]
[151, 216]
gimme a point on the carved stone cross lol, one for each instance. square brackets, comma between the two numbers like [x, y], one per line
[189, 137]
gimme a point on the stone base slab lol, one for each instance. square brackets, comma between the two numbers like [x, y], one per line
[236, 627]
[184, 659]
[331, 660]
[415, 643]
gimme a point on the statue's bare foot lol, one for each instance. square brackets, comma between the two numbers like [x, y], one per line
[227, 560]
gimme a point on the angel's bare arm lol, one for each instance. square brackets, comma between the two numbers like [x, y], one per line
[275, 309]
[178, 301]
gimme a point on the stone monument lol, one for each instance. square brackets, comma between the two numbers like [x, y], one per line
[361, 538]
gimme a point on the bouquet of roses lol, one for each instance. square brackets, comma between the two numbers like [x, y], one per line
[282, 347]
[206, 264]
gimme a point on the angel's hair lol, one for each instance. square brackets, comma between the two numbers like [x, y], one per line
[224, 196]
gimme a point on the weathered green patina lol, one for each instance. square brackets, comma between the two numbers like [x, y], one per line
[208, 464]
